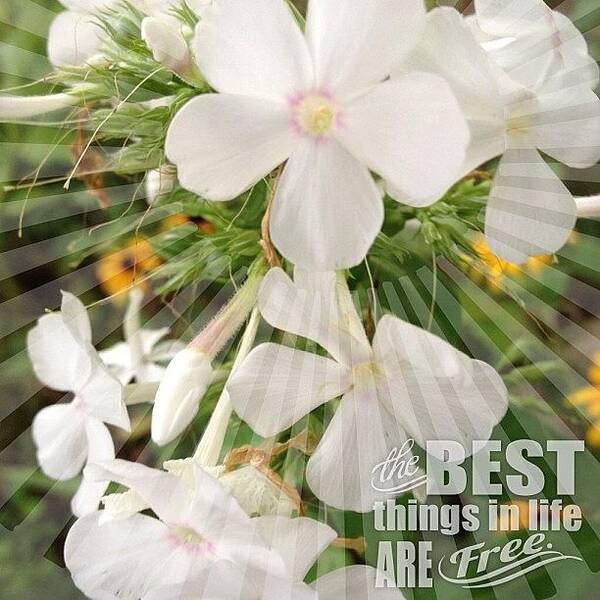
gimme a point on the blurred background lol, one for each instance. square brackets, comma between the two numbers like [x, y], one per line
[546, 312]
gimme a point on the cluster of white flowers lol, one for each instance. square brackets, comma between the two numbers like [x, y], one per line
[370, 91]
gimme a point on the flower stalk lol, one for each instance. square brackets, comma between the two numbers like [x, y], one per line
[588, 207]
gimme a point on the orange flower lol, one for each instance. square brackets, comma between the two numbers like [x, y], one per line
[119, 270]
[588, 400]
[180, 219]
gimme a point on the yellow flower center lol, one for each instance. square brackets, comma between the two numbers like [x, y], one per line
[316, 115]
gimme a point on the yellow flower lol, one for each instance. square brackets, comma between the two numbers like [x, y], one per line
[493, 269]
[180, 219]
[594, 371]
[117, 271]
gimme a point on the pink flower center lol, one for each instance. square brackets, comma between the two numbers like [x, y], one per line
[186, 537]
[315, 114]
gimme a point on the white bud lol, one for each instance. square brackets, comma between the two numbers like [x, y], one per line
[588, 207]
[159, 182]
[24, 107]
[165, 38]
[184, 383]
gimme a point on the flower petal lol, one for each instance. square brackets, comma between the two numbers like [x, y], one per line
[118, 360]
[102, 396]
[299, 541]
[276, 386]
[434, 390]
[166, 494]
[356, 43]
[361, 435]
[253, 52]
[73, 38]
[60, 440]
[449, 49]
[76, 318]
[119, 558]
[403, 127]
[224, 144]
[353, 583]
[530, 212]
[58, 359]
[566, 125]
[100, 448]
[307, 307]
[327, 210]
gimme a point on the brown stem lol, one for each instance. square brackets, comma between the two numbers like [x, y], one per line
[358, 545]
[265, 242]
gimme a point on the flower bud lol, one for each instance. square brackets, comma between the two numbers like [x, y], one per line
[184, 383]
[164, 36]
[24, 107]
[588, 207]
[159, 182]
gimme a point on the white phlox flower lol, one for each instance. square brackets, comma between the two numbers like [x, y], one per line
[67, 436]
[159, 182]
[203, 546]
[407, 384]
[138, 357]
[199, 532]
[525, 95]
[321, 102]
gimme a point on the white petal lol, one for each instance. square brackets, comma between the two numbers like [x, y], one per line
[122, 506]
[166, 494]
[58, 359]
[182, 387]
[356, 43]
[327, 209]
[224, 144]
[530, 212]
[361, 434]
[412, 132]
[276, 386]
[118, 360]
[60, 440]
[73, 38]
[119, 559]
[307, 307]
[100, 448]
[449, 49]
[164, 36]
[258, 52]
[299, 541]
[566, 126]
[76, 318]
[353, 583]
[434, 390]
[102, 396]
[223, 580]
[151, 337]
[503, 17]
[24, 107]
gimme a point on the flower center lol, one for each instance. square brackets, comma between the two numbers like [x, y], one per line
[366, 371]
[188, 538]
[314, 114]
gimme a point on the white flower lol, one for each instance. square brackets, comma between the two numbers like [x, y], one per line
[319, 102]
[69, 435]
[531, 42]
[517, 112]
[199, 532]
[202, 546]
[137, 357]
[408, 383]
